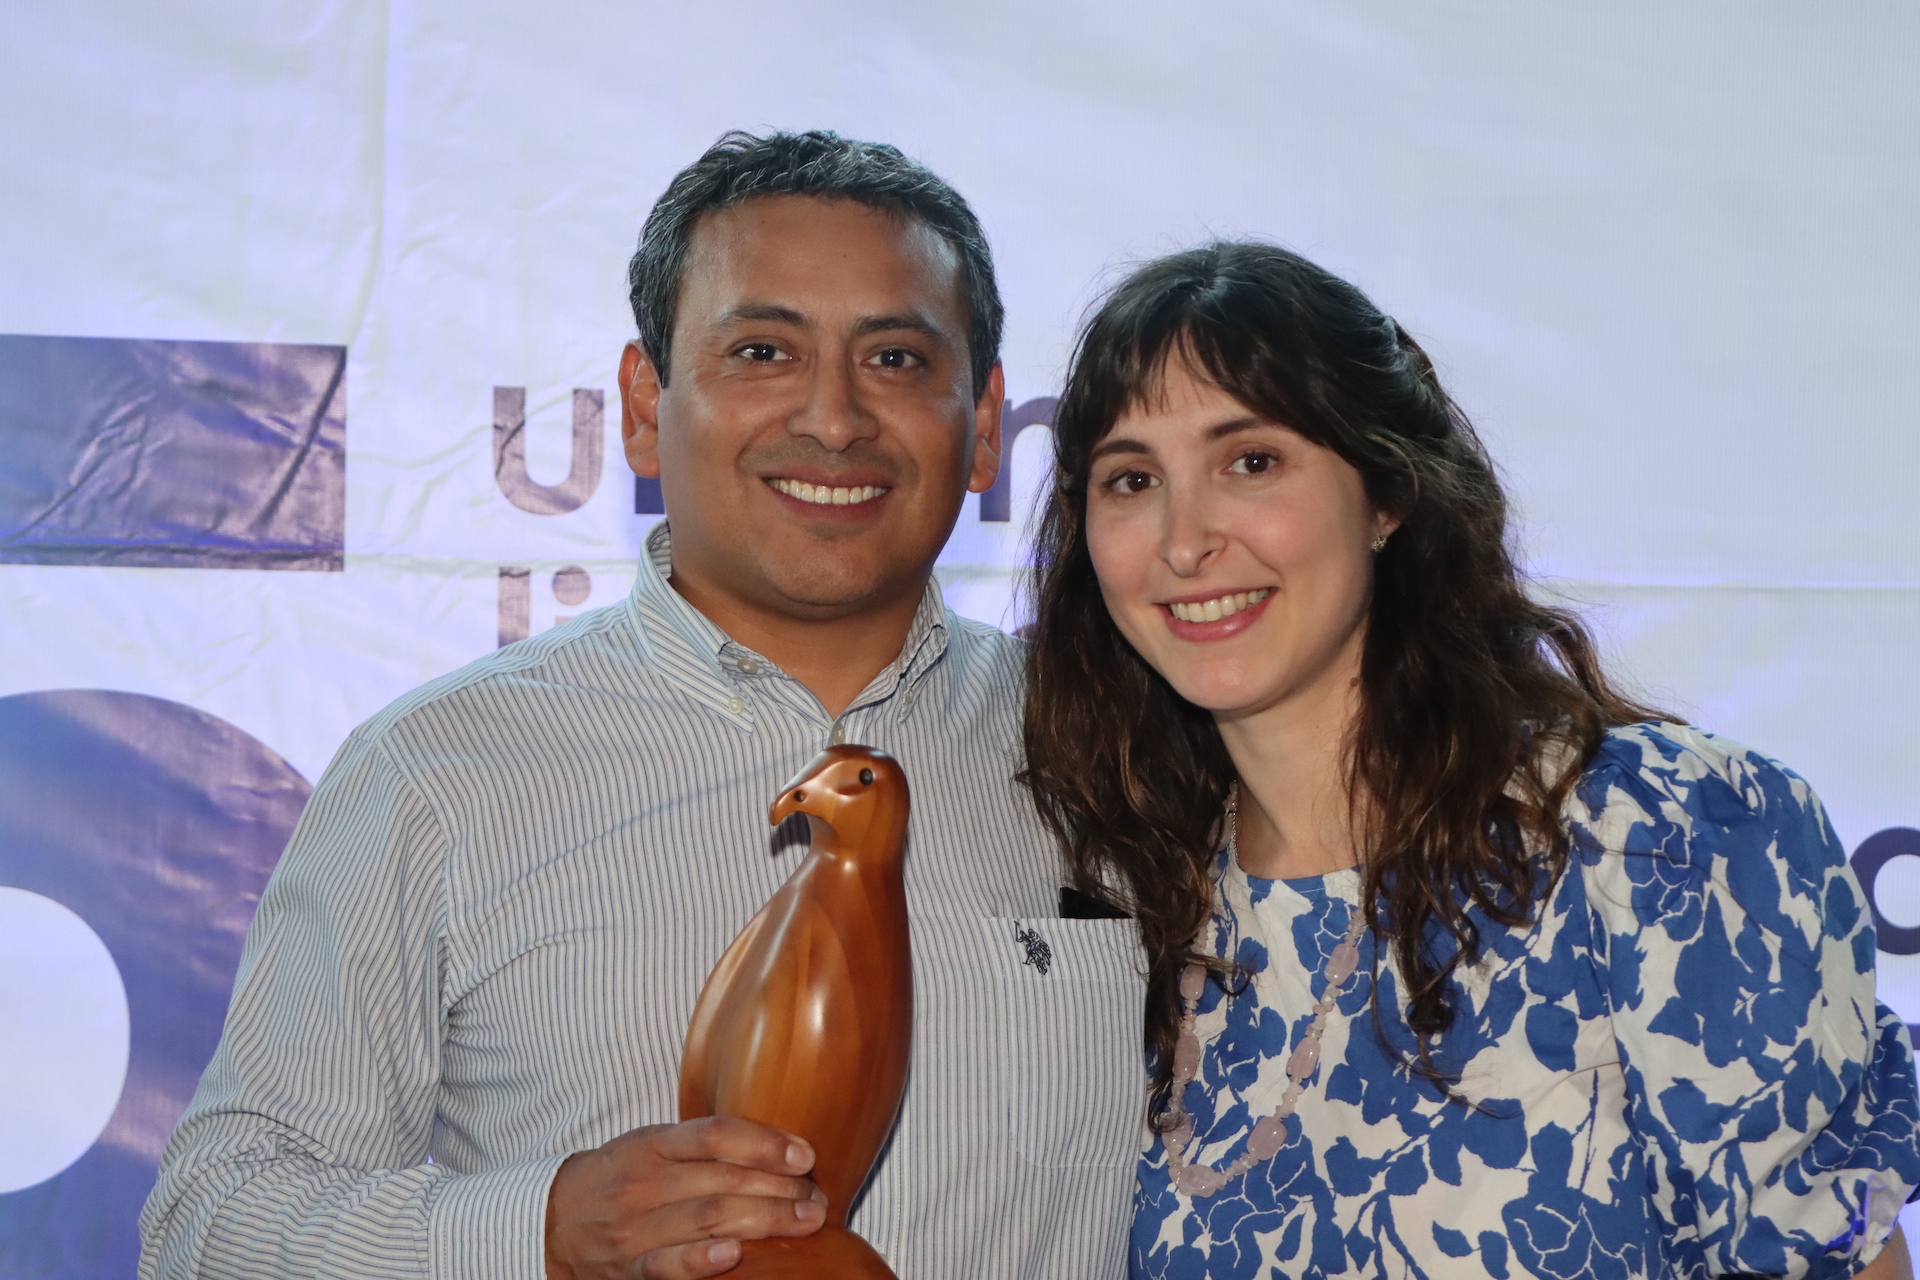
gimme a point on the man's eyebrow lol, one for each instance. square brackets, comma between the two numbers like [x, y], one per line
[912, 321]
[772, 311]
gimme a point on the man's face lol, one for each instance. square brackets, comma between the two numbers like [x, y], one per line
[819, 428]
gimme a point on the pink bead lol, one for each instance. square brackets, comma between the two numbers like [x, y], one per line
[1180, 1135]
[1200, 1181]
[1306, 1056]
[1186, 1058]
[1341, 964]
[1193, 981]
[1267, 1138]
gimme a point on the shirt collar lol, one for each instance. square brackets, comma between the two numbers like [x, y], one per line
[687, 645]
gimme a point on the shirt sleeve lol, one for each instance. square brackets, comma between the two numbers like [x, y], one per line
[305, 1150]
[1773, 1095]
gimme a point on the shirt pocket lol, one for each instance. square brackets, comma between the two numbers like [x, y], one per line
[1074, 995]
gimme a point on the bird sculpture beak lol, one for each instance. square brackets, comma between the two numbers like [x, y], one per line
[800, 790]
[791, 801]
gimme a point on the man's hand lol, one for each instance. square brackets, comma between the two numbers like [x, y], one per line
[673, 1201]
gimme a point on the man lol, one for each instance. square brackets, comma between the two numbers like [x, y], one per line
[454, 1041]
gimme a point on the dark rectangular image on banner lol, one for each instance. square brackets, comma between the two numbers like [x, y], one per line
[185, 455]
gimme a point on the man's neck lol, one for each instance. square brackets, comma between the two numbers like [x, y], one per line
[835, 658]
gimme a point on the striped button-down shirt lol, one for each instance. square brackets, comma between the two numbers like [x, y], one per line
[482, 947]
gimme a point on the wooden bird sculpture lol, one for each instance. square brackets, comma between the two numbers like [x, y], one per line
[807, 1021]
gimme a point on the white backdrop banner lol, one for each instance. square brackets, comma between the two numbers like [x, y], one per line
[315, 309]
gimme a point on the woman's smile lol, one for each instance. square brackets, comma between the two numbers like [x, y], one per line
[1216, 617]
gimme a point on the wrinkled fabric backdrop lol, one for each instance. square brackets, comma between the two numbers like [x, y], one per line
[312, 312]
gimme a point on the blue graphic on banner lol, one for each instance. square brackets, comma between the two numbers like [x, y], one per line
[156, 825]
[997, 502]
[190, 455]
[1875, 852]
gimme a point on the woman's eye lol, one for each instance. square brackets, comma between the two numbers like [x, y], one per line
[1254, 463]
[1132, 482]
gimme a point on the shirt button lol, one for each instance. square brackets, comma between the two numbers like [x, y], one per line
[748, 665]
[839, 734]
[736, 705]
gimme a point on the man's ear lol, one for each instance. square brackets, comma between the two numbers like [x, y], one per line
[639, 411]
[986, 432]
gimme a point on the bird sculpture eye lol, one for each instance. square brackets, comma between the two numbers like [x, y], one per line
[866, 777]
[800, 797]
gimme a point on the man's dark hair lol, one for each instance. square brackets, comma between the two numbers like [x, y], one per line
[741, 167]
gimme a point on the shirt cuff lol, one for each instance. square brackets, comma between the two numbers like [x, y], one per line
[492, 1225]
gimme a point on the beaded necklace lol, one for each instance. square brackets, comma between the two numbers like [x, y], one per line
[1199, 1181]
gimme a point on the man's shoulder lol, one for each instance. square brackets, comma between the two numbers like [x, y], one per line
[984, 654]
[597, 652]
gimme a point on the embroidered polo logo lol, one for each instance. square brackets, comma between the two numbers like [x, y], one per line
[1039, 954]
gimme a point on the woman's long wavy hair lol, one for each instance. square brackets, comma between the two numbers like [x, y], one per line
[1477, 707]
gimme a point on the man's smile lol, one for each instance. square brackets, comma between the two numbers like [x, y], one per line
[826, 495]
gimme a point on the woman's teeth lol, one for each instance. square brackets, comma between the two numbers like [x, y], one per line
[822, 495]
[1219, 607]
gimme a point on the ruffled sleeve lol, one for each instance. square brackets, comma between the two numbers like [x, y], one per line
[1773, 1095]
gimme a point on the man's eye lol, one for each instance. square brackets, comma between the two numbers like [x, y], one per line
[896, 358]
[760, 351]
[1254, 463]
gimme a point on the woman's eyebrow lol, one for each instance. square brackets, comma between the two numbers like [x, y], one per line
[1232, 425]
[1122, 445]
[1246, 422]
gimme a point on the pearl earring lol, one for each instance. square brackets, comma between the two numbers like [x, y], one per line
[1378, 543]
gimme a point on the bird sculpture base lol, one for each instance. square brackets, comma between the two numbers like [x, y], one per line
[831, 1253]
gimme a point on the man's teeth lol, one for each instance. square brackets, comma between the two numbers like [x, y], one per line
[825, 496]
[1219, 607]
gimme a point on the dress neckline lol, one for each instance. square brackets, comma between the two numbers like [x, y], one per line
[1343, 884]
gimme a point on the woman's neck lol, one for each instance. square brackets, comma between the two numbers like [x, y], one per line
[1295, 816]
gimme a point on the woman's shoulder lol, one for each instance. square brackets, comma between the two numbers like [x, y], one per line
[1667, 816]
[1684, 781]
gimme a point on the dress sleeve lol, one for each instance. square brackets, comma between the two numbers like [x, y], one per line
[305, 1151]
[1773, 1095]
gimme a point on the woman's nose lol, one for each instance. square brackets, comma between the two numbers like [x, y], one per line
[1190, 538]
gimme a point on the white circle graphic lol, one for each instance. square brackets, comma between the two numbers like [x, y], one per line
[63, 1038]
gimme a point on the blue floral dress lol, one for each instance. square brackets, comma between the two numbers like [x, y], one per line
[1679, 1070]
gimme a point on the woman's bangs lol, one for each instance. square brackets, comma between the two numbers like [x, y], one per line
[1135, 376]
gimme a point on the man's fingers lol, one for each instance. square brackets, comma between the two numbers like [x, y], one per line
[713, 1179]
[724, 1221]
[736, 1141]
[736, 1218]
[655, 1201]
[687, 1261]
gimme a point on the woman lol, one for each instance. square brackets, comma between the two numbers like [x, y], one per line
[1608, 1009]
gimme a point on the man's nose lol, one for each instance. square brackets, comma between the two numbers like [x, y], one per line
[1190, 537]
[834, 412]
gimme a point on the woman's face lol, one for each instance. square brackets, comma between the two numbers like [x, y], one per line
[1233, 553]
